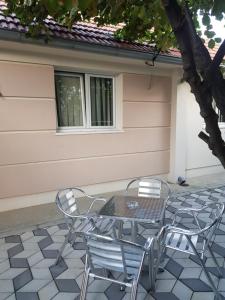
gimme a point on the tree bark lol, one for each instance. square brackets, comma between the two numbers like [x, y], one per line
[202, 74]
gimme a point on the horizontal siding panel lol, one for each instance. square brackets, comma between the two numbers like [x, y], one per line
[43, 146]
[146, 88]
[42, 177]
[146, 114]
[22, 114]
[26, 80]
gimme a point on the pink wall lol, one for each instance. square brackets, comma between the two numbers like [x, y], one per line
[33, 159]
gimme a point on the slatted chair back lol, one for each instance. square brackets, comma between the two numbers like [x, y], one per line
[67, 201]
[149, 187]
[177, 241]
[114, 255]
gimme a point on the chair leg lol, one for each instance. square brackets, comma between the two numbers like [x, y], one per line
[120, 229]
[67, 238]
[152, 269]
[216, 262]
[114, 232]
[84, 284]
[134, 231]
[134, 290]
[207, 275]
[218, 297]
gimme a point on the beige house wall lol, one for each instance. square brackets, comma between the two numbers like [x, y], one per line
[35, 159]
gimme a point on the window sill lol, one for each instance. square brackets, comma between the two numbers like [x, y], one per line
[88, 131]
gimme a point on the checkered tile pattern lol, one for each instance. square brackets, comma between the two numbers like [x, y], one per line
[27, 271]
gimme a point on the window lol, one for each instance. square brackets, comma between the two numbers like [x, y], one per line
[84, 101]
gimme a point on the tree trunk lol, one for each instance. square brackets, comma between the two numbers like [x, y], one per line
[202, 73]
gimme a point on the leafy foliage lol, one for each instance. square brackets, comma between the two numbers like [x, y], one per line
[143, 20]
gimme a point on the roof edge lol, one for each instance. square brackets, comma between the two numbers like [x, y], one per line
[16, 36]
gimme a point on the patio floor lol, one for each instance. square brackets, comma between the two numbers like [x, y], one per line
[27, 271]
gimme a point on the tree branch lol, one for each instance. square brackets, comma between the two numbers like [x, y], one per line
[203, 136]
[200, 52]
[218, 57]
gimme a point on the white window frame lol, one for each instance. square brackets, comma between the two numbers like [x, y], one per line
[86, 105]
[69, 74]
[88, 101]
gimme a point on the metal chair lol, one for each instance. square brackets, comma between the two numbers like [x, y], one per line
[150, 188]
[104, 252]
[68, 202]
[194, 242]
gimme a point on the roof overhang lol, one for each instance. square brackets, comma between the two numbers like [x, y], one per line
[15, 36]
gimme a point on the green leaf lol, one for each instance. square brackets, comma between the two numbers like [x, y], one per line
[211, 43]
[218, 40]
[219, 17]
[206, 20]
[209, 34]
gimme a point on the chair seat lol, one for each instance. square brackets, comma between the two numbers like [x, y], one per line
[178, 241]
[104, 225]
[101, 224]
[82, 225]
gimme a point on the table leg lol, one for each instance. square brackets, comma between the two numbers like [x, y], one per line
[120, 229]
[134, 231]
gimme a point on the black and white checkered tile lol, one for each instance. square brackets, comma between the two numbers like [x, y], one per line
[27, 271]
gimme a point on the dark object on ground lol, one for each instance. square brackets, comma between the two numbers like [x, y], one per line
[181, 181]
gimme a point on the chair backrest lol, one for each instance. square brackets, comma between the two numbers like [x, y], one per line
[113, 255]
[67, 201]
[149, 187]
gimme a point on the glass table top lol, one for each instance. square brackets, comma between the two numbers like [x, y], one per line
[134, 208]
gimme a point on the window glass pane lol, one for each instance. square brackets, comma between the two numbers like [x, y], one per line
[69, 100]
[101, 94]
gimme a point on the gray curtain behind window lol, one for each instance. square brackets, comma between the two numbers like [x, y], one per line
[69, 101]
[101, 94]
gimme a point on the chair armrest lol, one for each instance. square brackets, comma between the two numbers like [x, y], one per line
[94, 201]
[148, 243]
[174, 229]
[188, 210]
[146, 247]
